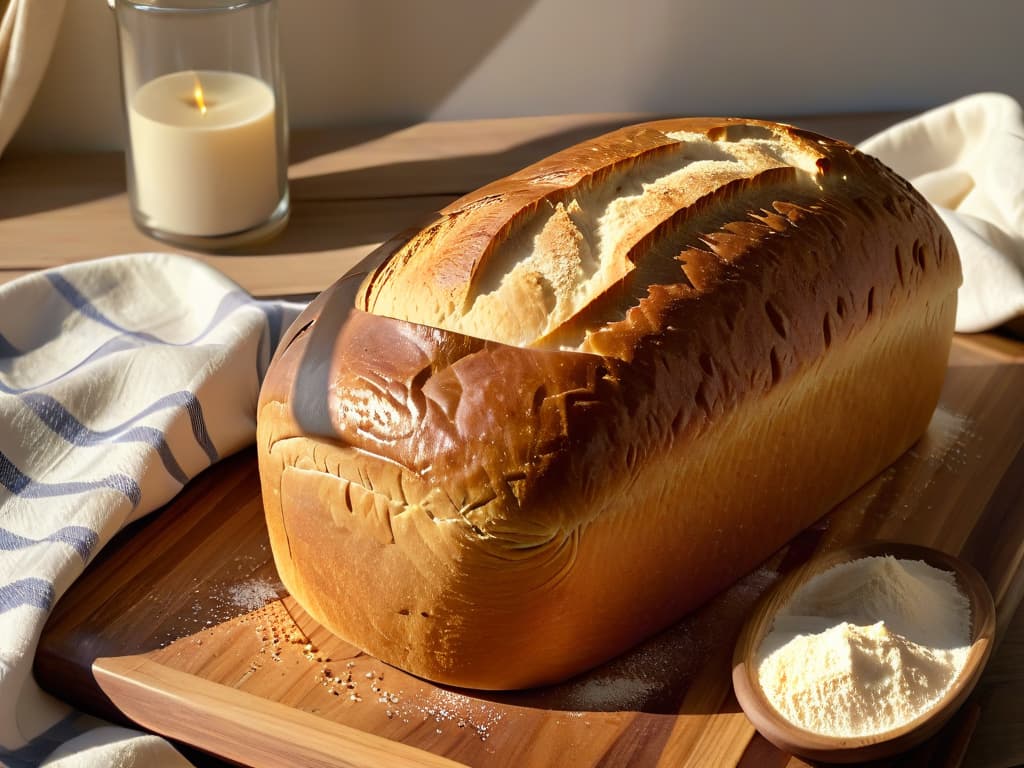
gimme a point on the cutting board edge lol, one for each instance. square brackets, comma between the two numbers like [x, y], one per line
[304, 737]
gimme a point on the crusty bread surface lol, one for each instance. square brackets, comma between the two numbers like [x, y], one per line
[590, 395]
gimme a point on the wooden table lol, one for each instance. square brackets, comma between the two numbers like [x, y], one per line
[351, 189]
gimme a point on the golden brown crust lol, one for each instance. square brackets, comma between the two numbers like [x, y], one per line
[451, 503]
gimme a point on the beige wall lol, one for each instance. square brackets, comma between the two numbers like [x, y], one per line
[377, 60]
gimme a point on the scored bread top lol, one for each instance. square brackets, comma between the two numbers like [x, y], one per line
[549, 255]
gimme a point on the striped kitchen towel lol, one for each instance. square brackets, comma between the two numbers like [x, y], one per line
[120, 379]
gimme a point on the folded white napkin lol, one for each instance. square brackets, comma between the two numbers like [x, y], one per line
[120, 379]
[967, 159]
[28, 31]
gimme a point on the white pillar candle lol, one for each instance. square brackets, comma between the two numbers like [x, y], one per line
[205, 161]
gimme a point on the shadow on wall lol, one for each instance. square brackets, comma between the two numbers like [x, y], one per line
[402, 59]
[395, 60]
[346, 62]
[357, 62]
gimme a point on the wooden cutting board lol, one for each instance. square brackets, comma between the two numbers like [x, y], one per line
[182, 626]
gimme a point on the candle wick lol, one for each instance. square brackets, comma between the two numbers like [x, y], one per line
[197, 94]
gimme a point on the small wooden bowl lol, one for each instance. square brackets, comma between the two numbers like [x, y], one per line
[790, 737]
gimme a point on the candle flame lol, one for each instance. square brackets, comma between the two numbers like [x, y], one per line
[197, 94]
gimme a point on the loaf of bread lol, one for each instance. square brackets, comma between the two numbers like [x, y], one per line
[590, 395]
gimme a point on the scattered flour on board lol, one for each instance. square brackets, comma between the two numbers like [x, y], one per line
[945, 443]
[253, 594]
[444, 706]
[611, 693]
[661, 664]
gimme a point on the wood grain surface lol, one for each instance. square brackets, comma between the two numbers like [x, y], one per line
[182, 626]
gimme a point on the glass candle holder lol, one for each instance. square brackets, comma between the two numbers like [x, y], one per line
[205, 116]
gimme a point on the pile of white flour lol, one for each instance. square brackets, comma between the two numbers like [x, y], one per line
[866, 647]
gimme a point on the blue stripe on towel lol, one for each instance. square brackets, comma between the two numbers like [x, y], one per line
[63, 423]
[184, 398]
[20, 484]
[30, 591]
[195, 414]
[271, 336]
[275, 319]
[78, 537]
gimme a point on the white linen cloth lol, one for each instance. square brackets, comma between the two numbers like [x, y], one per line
[28, 31]
[113, 747]
[967, 159]
[120, 379]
